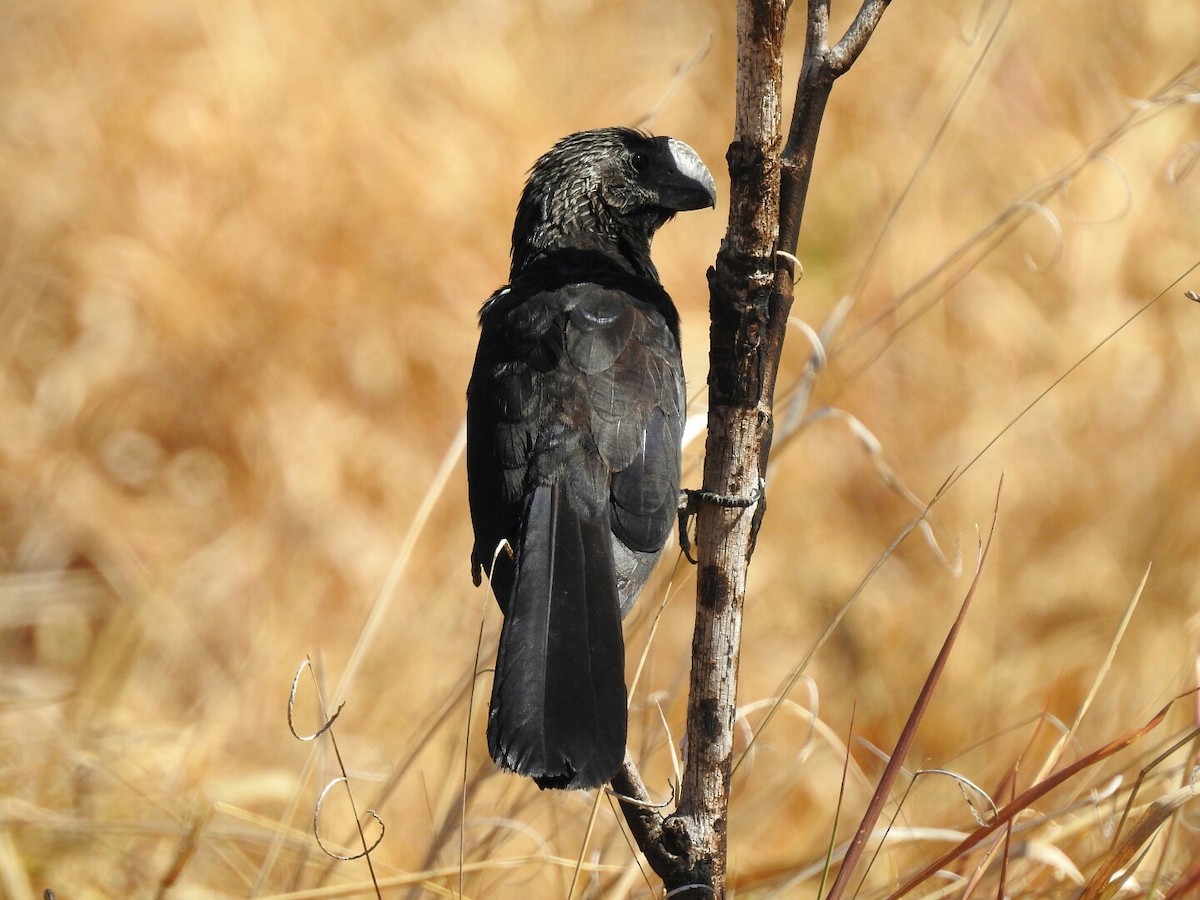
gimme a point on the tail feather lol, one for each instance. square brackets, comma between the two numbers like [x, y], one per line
[558, 711]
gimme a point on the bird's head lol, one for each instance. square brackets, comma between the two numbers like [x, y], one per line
[608, 190]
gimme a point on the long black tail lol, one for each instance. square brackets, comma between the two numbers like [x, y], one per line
[558, 710]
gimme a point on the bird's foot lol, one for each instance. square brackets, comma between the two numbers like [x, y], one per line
[689, 506]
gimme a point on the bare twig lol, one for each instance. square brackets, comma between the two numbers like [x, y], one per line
[665, 846]
[750, 296]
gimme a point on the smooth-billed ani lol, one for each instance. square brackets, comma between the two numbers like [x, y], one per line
[575, 414]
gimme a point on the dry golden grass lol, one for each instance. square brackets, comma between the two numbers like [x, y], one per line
[243, 248]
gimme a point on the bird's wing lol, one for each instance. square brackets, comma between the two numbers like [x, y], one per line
[635, 398]
[633, 372]
[583, 370]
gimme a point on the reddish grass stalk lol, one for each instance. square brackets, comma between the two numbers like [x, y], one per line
[1035, 793]
[909, 732]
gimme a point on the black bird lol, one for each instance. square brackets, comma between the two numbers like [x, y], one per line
[575, 415]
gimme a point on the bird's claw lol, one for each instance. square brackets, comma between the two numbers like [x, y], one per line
[690, 500]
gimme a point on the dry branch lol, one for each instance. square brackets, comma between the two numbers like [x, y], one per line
[750, 296]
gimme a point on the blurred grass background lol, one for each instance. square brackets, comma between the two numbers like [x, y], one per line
[243, 246]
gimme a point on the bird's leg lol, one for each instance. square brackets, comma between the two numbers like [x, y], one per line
[689, 506]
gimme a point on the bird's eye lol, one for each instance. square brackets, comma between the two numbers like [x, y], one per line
[640, 161]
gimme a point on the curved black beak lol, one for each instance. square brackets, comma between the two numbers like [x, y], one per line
[683, 181]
